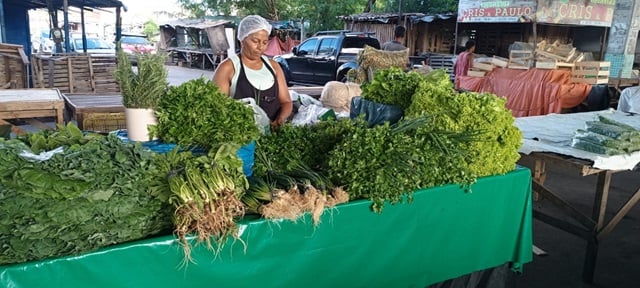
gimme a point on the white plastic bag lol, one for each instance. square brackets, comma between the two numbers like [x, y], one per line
[262, 120]
[308, 115]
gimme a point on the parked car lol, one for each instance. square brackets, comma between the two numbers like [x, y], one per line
[327, 56]
[132, 43]
[95, 46]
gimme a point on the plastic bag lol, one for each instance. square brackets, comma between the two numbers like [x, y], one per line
[375, 113]
[312, 114]
[262, 120]
[303, 99]
[247, 154]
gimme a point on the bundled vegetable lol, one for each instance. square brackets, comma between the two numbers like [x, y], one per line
[206, 193]
[392, 86]
[607, 136]
[197, 113]
[494, 148]
[91, 192]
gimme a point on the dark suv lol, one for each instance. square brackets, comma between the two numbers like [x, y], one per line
[327, 56]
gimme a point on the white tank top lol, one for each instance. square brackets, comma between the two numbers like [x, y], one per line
[260, 79]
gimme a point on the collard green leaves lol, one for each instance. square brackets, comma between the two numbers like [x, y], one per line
[98, 192]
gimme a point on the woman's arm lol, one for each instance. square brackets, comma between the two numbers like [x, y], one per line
[223, 75]
[283, 94]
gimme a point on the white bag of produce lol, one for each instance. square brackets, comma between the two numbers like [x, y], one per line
[337, 95]
[310, 114]
[261, 118]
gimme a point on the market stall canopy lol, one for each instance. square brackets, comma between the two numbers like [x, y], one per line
[58, 4]
[214, 29]
[393, 17]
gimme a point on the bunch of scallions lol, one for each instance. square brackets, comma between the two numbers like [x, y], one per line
[206, 194]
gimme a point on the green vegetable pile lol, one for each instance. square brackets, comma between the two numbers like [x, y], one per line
[607, 136]
[494, 149]
[97, 192]
[196, 113]
[144, 88]
[392, 86]
[206, 192]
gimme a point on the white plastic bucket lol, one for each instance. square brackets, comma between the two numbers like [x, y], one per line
[138, 121]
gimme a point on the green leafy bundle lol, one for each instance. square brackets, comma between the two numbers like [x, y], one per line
[392, 86]
[308, 145]
[494, 147]
[379, 163]
[206, 195]
[97, 192]
[144, 88]
[197, 113]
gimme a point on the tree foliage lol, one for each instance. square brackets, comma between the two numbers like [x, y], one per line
[150, 29]
[320, 14]
[422, 6]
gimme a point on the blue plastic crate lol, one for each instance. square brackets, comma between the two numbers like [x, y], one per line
[246, 153]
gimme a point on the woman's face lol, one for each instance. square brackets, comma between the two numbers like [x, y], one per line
[254, 45]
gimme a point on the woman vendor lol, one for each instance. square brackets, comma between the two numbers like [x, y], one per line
[250, 74]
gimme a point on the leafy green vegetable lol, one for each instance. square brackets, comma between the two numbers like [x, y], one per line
[197, 113]
[392, 86]
[378, 163]
[144, 88]
[97, 192]
[306, 144]
[494, 147]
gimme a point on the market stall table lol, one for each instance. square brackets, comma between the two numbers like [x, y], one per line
[547, 141]
[444, 233]
[31, 103]
[530, 92]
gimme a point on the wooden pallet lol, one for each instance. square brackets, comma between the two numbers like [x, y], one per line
[14, 65]
[75, 73]
[591, 72]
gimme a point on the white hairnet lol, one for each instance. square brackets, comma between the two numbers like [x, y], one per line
[252, 24]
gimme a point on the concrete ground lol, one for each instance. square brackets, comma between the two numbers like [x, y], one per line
[618, 263]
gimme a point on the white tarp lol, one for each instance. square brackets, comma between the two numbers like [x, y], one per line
[553, 133]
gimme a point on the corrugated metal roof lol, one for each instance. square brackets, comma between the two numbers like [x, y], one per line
[392, 17]
[196, 23]
[59, 4]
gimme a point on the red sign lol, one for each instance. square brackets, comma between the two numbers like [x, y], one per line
[496, 11]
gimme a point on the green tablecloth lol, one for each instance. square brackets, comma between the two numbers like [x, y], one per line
[443, 234]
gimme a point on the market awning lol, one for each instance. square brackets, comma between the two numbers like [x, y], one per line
[58, 4]
[195, 23]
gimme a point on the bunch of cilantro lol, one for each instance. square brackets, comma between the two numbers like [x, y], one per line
[197, 113]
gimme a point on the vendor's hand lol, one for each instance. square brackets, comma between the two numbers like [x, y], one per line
[276, 123]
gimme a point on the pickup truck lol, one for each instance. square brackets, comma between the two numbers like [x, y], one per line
[327, 56]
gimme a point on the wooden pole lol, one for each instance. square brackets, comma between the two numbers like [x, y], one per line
[84, 31]
[67, 45]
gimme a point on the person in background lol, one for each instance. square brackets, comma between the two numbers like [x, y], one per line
[464, 61]
[396, 44]
[249, 74]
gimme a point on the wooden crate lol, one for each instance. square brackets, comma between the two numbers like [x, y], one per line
[520, 59]
[483, 66]
[102, 122]
[14, 66]
[591, 72]
[475, 73]
[75, 73]
[500, 61]
[547, 64]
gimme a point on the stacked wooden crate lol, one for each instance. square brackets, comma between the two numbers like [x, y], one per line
[14, 65]
[556, 55]
[75, 73]
[591, 72]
